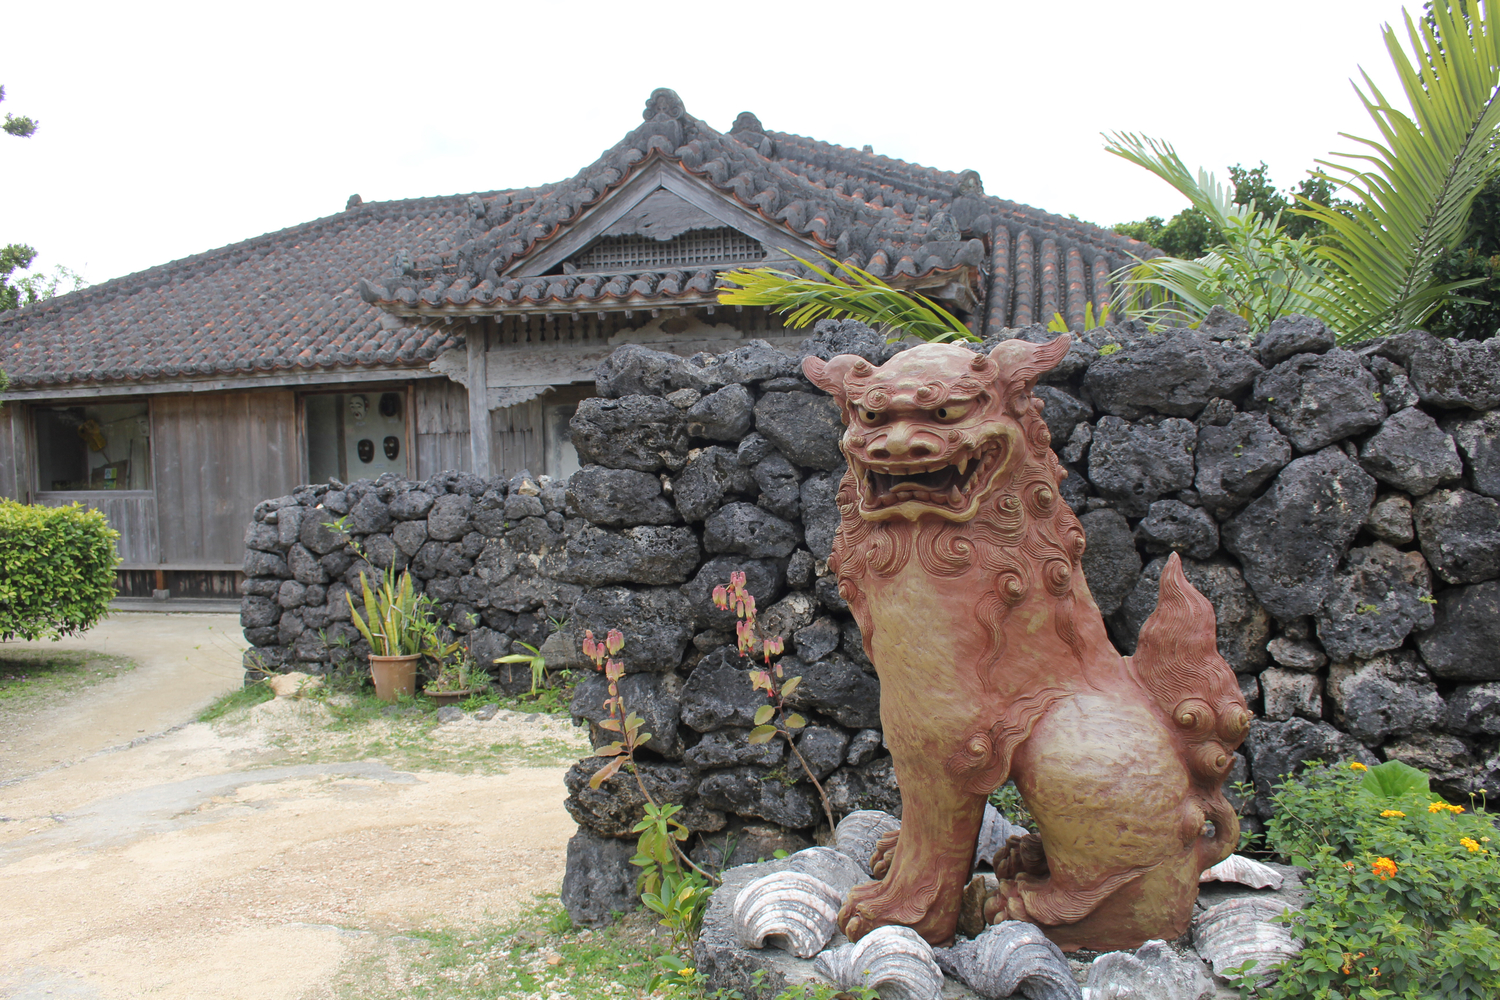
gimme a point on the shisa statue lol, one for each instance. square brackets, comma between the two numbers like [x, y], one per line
[962, 565]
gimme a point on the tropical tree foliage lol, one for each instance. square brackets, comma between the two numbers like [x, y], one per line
[845, 290]
[1413, 188]
[1258, 270]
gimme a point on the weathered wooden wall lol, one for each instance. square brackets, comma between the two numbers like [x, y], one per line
[130, 512]
[15, 479]
[217, 456]
[442, 427]
[517, 440]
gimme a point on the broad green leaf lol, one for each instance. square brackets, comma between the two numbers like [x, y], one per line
[761, 734]
[606, 772]
[1392, 780]
[795, 721]
[763, 714]
[790, 686]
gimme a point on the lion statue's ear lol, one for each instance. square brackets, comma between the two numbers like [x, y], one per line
[830, 375]
[1021, 363]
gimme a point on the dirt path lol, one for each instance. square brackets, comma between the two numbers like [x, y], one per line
[237, 860]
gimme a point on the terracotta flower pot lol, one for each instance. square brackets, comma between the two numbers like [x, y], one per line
[394, 675]
[441, 698]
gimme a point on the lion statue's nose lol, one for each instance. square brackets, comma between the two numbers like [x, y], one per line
[905, 442]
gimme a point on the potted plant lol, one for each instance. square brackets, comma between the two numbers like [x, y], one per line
[395, 624]
[456, 678]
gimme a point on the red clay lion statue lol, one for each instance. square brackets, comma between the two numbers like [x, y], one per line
[962, 564]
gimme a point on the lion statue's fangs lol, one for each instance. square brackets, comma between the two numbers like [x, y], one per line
[963, 567]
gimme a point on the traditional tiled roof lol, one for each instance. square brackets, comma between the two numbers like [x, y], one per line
[899, 221]
[280, 302]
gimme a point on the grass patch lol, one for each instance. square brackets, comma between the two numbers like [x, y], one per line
[28, 676]
[245, 697]
[538, 954]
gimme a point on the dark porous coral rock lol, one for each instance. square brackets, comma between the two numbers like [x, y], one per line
[1317, 399]
[731, 747]
[1176, 373]
[1391, 695]
[1390, 520]
[1173, 526]
[288, 526]
[656, 621]
[450, 517]
[1294, 334]
[1136, 464]
[805, 427]
[1286, 693]
[1062, 411]
[764, 579]
[832, 337]
[793, 612]
[646, 554]
[368, 515]
[1296, 654]
[718, 692]
[258, 612]
[871, 785]
[827, 589]
[753, 449]
[1291, 539]
[800, 570]
[780, 485]
[1236, 459]
[262, 537]
[822, 747]
[317, 534]
[706, 480]
[1474, 709]
[382, 552]
[1379, 598]
[725, 415]
[599, 882]
[864, 745]
[1463, 643]
[837, 688]
[1243, 625]
[618, 498]
[755, 361]
[1479, 440]
[410, 505]
[258, 563]
[1459, 533]
[817, 640]
[635, 370]
[1111, 564]
[748, 791]
[519, 505]
[304, 566]
[1453, 374]
[644, 433]
[1411, 453]
[1277, 749]
[1447, 760]
[647, 695]
[617, 804]
[409, 536]
[820, 512]
[747, 530]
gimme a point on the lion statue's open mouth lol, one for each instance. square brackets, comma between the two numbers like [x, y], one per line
[952, 486]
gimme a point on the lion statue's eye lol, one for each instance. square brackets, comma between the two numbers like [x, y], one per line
[951, 412]
[871, 416]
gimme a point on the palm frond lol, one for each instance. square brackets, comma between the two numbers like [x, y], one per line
[1157, 155]
[1412, 188]
[857, 294]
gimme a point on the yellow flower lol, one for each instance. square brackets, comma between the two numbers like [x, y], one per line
[1392, 814]
[1471, 844]
[1384, 867]
[686, 972]
[1357, 766]
[1437, 807]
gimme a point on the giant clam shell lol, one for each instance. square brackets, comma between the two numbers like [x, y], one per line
[1010, 957]
[1155, 970]
[1243, 871]
[893, 961]
[788, 909]
[1231, 933]
[856, 834]
[994, 831]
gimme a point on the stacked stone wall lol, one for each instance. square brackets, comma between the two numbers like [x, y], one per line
[1338, 507]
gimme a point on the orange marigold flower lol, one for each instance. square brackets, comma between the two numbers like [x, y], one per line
[1471, 844]
[1392, 814]
[1384, 867]
[1357, 766]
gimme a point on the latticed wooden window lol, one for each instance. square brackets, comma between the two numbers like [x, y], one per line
[642, 253]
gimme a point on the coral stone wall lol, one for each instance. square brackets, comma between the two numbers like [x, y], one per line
[1337, 506]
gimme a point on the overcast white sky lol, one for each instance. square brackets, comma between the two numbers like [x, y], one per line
[168, 130]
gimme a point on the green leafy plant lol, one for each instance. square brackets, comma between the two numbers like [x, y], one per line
[395, 622]
[1258, 271]
[535, 660]
[1414, 187]
[1405, 888]
[773, 719]
[57, 570]
[455, 666]
[1090, 322]
[857, 294]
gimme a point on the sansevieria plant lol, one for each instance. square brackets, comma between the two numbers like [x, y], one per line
[394, 622]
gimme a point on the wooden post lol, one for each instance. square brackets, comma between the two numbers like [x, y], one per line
[479, 411]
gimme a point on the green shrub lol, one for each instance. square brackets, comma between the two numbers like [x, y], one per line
[1405, 887]
[57, 569]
